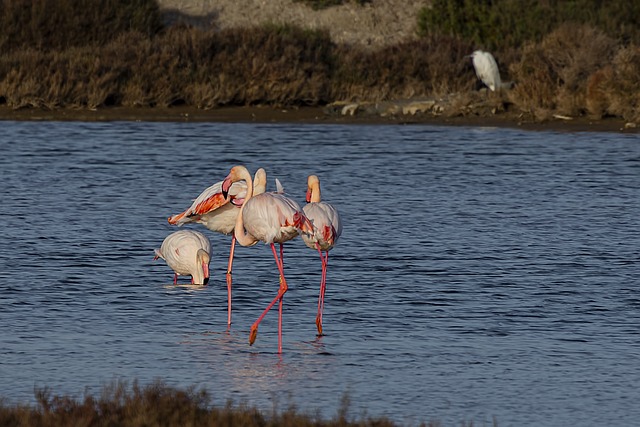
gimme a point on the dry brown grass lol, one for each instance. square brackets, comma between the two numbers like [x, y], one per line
[622, 83]
[597, 98]
[574, 71]
[552, 76]
[432, 66]
[279, 66]
[160, 405]
[182, 66]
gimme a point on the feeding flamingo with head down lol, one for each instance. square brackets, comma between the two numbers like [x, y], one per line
[327, 228]
[271, 218]
[188, 253]
[218, 213]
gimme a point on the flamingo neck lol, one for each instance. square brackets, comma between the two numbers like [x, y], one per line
[259, 182]
[201, 273]
[244, 238]
[315, 193]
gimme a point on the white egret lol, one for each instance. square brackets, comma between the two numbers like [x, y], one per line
[486, 69]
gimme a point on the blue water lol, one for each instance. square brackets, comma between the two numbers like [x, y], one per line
[483, 274]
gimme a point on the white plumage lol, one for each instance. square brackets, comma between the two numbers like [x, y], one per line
[486, 69]
[188, 253]
[327, 226]
[218, 213]
[271, 218]
[327, 229]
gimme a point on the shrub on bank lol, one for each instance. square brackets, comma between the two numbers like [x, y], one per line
[62, 24]
[432, 66]
[183, 66]
[118, 54]
[271, 65]
[614, 90]
[576, 71]
[502, 24]
[552, 75]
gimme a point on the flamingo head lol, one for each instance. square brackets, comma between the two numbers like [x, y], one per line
[202, 260]
[313, 188]
[237, 173]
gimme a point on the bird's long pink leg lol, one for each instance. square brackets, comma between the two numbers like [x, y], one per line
[229, 279]
[280, 303]
[175, 278]
[278, 298]
[281, 259]
[323, 286]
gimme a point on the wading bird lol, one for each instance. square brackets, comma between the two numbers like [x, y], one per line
[486, 69]
[218, 213]
[188, 253]
[271, 218]
[327, 228]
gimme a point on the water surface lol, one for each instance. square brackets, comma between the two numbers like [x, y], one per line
[482, 273]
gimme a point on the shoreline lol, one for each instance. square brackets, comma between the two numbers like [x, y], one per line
[306, 115]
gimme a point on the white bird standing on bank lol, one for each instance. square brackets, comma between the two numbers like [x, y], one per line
[271, 218]
[327, 228]
[219, 214]
[188, 253]
[486, 69]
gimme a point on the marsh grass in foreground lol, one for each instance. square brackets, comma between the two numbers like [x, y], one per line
[160, 405]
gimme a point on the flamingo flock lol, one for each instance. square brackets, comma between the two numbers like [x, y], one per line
[218, 213]
[241, 207]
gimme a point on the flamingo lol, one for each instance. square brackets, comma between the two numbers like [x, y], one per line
[218, 213]
[271, 218]
[327, 229]
[188, 254]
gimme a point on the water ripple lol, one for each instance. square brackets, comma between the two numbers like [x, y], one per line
[482, 272]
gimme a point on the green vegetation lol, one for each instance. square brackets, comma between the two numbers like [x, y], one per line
[502, 24]
[160, 405]
[91, 54]
[567, 57]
